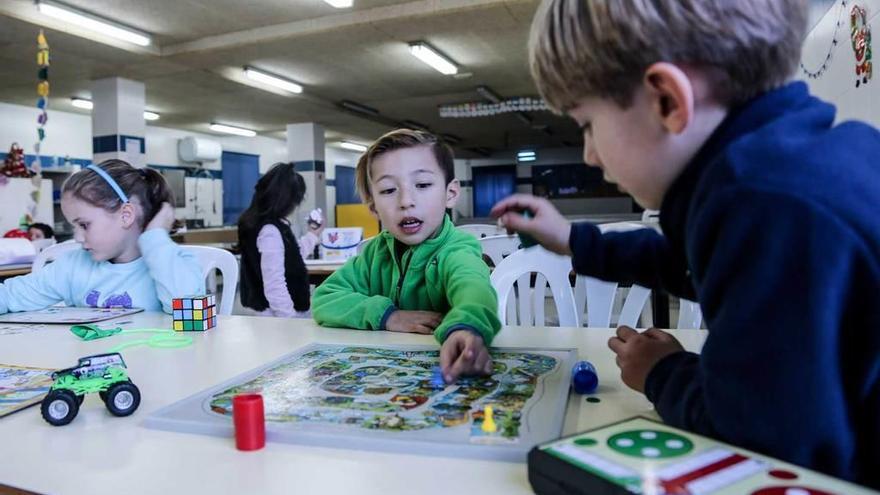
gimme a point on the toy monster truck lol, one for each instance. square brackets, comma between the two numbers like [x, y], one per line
[102, 373]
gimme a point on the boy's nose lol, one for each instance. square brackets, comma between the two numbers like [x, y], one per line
[405, 199]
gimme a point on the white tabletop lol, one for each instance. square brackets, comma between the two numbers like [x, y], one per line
[98, 453]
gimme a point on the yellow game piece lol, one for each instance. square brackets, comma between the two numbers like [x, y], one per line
[489, 421]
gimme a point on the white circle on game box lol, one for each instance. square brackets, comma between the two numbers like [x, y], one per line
[674, 444]
[648, 435]
[650, 452]
[624, 442]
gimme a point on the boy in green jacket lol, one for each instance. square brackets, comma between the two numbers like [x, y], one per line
[420, 274]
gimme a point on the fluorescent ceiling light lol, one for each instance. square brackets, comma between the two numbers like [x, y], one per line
[81, 103]
[526, 156]
[357, 107]
[93, 23]
[432, 57]
[487, 93]
[353, 146]
[228, 129]
[271, 80]
[340, 4]
[88, 105]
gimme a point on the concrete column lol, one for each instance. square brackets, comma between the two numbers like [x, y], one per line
[118, 126]
[305, 148]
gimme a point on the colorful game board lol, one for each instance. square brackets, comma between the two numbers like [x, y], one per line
[643, 456]
[21, 387]
[63, 314]
[383, 399]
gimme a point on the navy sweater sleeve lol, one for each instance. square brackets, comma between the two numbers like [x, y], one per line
[771, 376]
[640, 257]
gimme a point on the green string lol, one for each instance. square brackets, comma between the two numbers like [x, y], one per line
[165, 339]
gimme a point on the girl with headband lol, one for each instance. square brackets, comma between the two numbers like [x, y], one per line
[121, 216]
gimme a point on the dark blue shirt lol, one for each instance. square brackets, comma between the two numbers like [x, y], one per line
[774, 227]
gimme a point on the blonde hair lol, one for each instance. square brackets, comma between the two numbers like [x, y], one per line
[601, 48]
[399, 139]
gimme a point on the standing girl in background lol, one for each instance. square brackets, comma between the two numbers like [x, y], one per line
[274, 280]
[121, 216]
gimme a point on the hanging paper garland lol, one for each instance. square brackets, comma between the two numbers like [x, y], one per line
[816, 73]
[486, 109]
[43, 93]
[860, 35]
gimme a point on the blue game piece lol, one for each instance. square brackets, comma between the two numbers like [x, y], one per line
[584, 379]
[437, 380]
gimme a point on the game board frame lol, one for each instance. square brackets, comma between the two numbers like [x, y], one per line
[190, 416]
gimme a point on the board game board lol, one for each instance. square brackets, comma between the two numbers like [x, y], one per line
[643, 456]
[63, 314]
[383, 399]
[21, 387]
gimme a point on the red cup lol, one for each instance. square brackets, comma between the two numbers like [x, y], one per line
[250, 424]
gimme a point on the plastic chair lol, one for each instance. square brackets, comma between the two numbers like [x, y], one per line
[498, 247]
[551, 269]
[52, 253]
[212, 258]
[481, 230]
[690, 315]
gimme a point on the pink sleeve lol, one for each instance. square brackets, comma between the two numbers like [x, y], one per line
[307, 244]
[271, 249]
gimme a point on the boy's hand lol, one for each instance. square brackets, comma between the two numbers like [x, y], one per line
[164, 218]
[547, 225]
[413, 321]
[464, 353]
[637, 353]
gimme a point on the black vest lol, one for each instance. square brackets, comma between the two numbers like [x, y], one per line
[252, 294]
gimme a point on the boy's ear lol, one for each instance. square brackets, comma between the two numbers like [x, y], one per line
[372, 207]
[128, 215]
[453, 191]
[671, 95]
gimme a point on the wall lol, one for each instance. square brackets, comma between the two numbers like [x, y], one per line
[837, 84]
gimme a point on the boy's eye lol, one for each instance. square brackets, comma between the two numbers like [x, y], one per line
[387, 191]
[84, 226]
[424, 185]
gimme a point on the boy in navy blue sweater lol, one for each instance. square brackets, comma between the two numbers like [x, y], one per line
[769, 213]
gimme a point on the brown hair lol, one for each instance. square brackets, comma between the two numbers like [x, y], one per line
[395, 140]
[601, 48]
[145, 185]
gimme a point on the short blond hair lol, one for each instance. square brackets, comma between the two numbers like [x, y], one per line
[399, 139]
[601, 48]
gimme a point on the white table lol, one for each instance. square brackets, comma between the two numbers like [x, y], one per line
[98, 453]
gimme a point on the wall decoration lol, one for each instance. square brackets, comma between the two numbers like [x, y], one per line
[43, 93]
[815, 73]
[860, 35]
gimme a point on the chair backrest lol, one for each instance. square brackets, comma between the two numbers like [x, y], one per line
[690, 315]
[498, 247]
[52, 253]
[512, 277]
[480, 230]
[212, 258]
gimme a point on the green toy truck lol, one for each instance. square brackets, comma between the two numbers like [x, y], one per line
[102, 373]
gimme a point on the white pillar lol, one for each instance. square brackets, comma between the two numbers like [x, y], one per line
[118, 126]
[305, 148]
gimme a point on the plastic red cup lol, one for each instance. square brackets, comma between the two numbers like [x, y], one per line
[250, 424]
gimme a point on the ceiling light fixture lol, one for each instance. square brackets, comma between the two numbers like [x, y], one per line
[526, 156]
[432, 57]
[272, 80]
[93, 23]
[349, 145]
[488, 94]
[88, 105]
[228, 129]
[340, 4]
[357, 107]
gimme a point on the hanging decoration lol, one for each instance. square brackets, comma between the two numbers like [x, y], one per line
[43, 96]
[466, 110]
[860, 35]
[826, 62]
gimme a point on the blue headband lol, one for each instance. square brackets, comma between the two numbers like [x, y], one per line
[104, 175]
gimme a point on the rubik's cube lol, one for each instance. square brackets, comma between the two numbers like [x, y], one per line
[194, 313]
